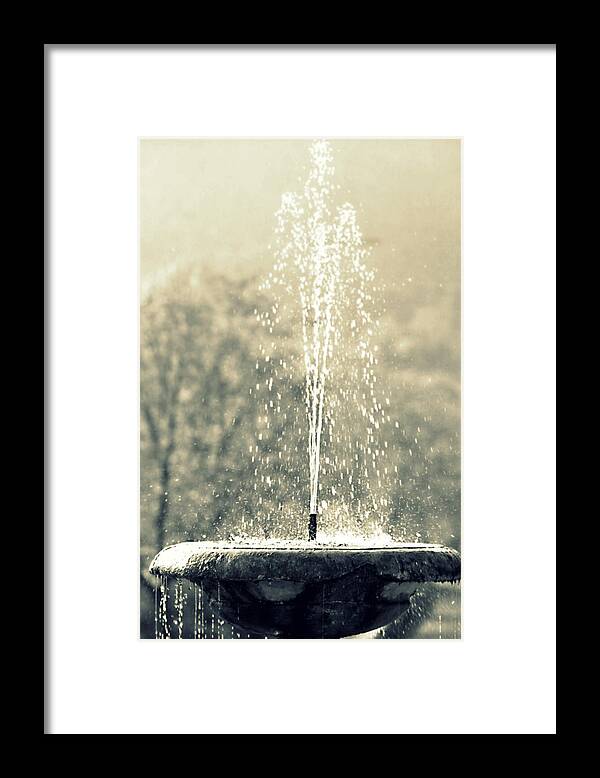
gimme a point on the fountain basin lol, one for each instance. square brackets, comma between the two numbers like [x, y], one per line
[309, 590]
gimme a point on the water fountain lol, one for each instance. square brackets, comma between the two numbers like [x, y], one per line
[319, 585]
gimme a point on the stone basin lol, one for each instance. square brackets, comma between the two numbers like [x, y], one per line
[308, 590]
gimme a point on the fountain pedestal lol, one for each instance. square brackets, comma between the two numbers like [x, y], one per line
[311, 590]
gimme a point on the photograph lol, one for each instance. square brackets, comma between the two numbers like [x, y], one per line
[300, 388]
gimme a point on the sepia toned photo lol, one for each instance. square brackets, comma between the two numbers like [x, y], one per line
[300, 388]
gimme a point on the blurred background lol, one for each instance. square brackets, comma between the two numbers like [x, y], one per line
[207, 215]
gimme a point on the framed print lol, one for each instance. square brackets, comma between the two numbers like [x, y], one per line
[301, 388]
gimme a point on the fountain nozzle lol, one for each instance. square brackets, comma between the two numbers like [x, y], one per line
[312, 526]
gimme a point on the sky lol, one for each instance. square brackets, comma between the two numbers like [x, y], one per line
[213, 202]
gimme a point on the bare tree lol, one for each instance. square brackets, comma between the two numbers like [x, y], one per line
[167, 330]
[198, 348]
